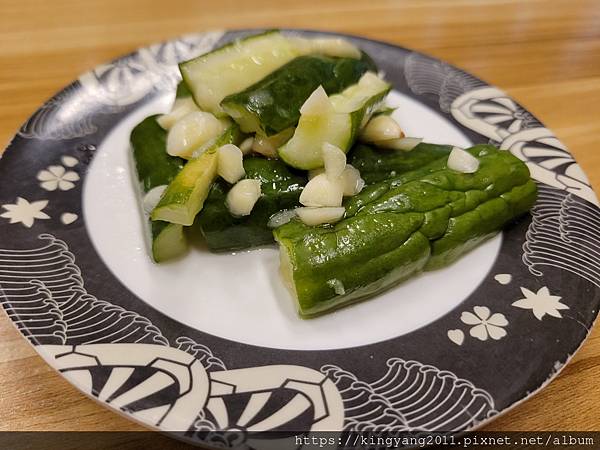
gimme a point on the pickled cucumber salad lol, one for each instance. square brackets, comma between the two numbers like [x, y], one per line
[274, 138]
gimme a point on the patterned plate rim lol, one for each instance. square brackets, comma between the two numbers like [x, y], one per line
[174, 380]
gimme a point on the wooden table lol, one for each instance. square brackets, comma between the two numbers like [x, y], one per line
[546, 54]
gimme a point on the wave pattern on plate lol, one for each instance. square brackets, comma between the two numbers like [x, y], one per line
[410, 396]
[43, 291]
[426, 75]
[561, 234]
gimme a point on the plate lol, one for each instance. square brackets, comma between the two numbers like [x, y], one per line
[212, 344]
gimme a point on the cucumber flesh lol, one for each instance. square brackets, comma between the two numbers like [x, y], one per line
[185, 195]
[303, 150]
[168, 241]
[338, 125]
[232, 68]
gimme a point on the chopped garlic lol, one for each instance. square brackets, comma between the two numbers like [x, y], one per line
[319, 216]
[462, 161]
[230, 163]
[381, 128]
[152, 198]
[246, 145]
[334, 159]
[322, 191]
[181, 107]
[192, 131]
[242, 197]
[405, 144]
[353, 182]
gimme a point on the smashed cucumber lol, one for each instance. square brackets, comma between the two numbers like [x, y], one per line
[337, 125]
[185, 195]
[232, 68]
[424, 222]
[273, 104]
[281, 190]
[154, 167]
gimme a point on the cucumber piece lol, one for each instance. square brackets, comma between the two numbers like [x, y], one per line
[330, 46]
[338, 125]
[232, 68]
[154, 167]
[303, 150]
[281, 189]
[273, 104]
[422, 224]
[168, 240]
[185, 195]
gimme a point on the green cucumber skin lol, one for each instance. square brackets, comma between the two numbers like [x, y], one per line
[154, 167]
[382, 164]
[183, 90]
[384, 169]
[168, 240]
[366, 254]
[280, 190]
[387, 111]
[383, 242]
[275, 101]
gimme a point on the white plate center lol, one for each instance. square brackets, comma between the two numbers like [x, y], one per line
[240, 297]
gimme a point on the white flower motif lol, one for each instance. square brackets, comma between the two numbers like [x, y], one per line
[25, 212]
[486, 324]
[541, 303]
[56, 177]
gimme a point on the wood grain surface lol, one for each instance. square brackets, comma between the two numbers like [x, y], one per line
[546, 54]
